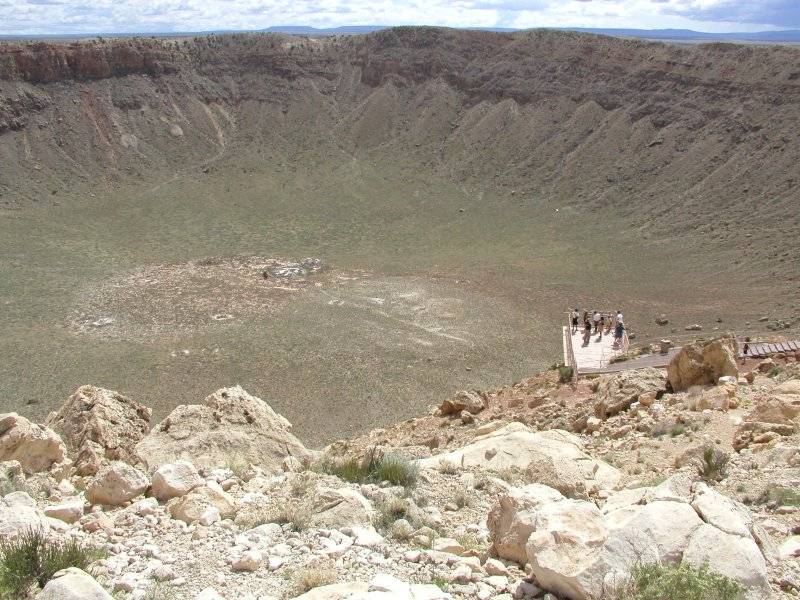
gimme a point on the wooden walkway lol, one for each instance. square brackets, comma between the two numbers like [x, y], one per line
[759, 350]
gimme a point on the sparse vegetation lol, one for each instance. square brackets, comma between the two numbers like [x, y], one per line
[684, 582]
[447, 467]
[390, 467]
[565, 374]
[774, 372]
[715, 463]
[308, 578]
[160, 591]
[677, 429]
[462, 498]
[31, 559]
[471, 542]
[296, 514]
[780, 495]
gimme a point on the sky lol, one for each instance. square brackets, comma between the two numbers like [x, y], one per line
[129, 16]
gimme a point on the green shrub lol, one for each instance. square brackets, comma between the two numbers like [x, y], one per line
[780, 495]
[565, 374]
[774, 372]
[666, 582]
[714, 464]
[389, 467]
[677, 430]
[30, 558]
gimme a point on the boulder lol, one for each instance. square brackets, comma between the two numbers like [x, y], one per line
[230, 423]
[99, 426]
[37, 448]
[511, 520]
[115, 484]
[73, 584]
[334, 509]
[69, 511]
[734, 556]
[192, 507]
[466, 400]
[578, 551]
[174, 480]
[778, 412]
[617, 391]
[564, 547]
[702, 363]
[18, 513]
[556, 452]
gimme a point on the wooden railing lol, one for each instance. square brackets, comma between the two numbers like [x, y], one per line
[569, 352]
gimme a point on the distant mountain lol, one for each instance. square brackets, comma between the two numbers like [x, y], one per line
[686, 35]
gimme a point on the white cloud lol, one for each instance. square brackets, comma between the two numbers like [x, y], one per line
[115, 16]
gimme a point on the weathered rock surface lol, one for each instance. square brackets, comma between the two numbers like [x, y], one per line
[575, 549]
[555, 455]
[466, 400]
[37, 448]
[341, 508]
[18, 513]
[98, 426]
[777, 412]
[229, 424]
[702, 363]
[202, 501]
[174, 480]
[73, 584]
[617, 391]
[115, 484]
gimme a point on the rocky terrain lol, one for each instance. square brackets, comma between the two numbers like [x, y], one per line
[462, 190]
[537, 490]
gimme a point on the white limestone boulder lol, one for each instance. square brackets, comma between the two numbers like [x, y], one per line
[37, 448]
[174, 480]
[73, 584]
[115, 484]
[229, 424]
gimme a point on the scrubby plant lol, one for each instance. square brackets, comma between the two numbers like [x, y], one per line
[682, 582]
[391, 510]
[565, 374]
[678, 429]
[390, 467]
[714, 464]
[774, 372]
[313, 576]
[296, 514]
[31, 558]
[780, 495]
[471, 542]
[447, 467]
[462, 498]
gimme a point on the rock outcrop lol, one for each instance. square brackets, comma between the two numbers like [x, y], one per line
[702, 363]
[37, 448]
[98, 426]
[617, 391]
[230, 425]
[776, 414]
[555, 458]
[579, 551]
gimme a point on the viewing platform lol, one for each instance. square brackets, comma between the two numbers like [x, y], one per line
[596, 357]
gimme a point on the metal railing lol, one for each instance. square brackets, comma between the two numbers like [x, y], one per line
[569, 352]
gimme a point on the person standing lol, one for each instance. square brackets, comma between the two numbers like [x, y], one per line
[587, 330]
[619, 331]
[596, 318]
[575, 315]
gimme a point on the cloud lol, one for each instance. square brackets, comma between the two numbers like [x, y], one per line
[778, 13]
[118, 16]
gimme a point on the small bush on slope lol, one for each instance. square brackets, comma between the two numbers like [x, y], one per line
[390, 467]
[31, 558]
[666, 582]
